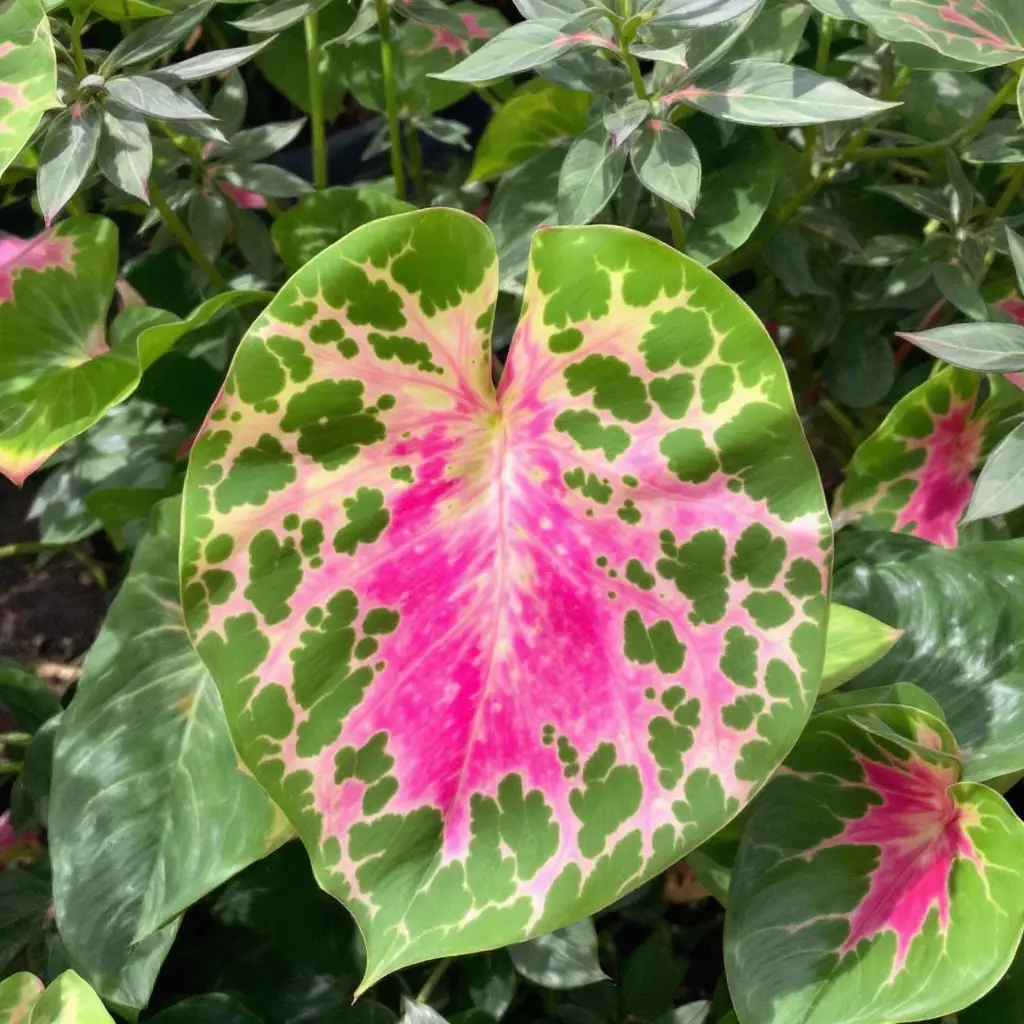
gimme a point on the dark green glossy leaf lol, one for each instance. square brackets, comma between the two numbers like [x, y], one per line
[961, 611]
[492, 982]
[166, 814]
[24, 902]
[959, 286]
[25, 697]
[563, 959]
[214, 1008]
[30, 795]
[650, 978]
[859, 369]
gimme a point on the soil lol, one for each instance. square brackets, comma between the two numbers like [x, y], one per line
[50, 610]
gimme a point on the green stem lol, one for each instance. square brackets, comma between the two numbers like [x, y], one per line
[76, 42]
[494, 102]
[14, 739]
[314, 52]
[391, 96]
[675, 218]
[821, 66]
[32, 547]
[188, 243]
[431, 983]
[412, 141]
[841, 420]
[1013, 187]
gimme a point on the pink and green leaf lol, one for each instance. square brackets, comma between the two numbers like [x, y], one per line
[871, 884]
[59, 371]
[503, 654]
[914, 473]
[18, 994]
[28, 75]
[985, 33]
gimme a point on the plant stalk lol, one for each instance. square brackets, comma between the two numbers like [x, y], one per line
[177, 228]
[1010, 193]
[387, 63]
[76, 41]
[412, 141]
[431, 983]
[675, 218]
[314, 52]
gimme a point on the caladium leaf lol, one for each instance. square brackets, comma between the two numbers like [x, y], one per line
[913, 474]
[58, 375]
[28, 74]
[70, 1000]
[985, 33]
[868, 874]
[18, 994]
[388, 566]
[955, 607]
[166, 814]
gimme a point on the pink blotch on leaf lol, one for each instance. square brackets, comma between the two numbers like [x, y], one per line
[952, 16]
[919, 831]
[944, 481]
[17, 848]
[43, 252]
[456, 45]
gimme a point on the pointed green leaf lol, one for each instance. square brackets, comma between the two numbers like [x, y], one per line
[277, 16]
[1016, 244]
[590, 174]
[364, 510]
[667, 164]
[125, 154]
[855, 642]
[156, 37]
[762, 92]
[166, 814]
[871, 884]
[67, 155]
[28, 74]
[533, 120]
[988, 347]
[956, 609]
[24, 903]
[18, 994]
[214, 62]
[150, 96]
[1000, 488]
[958, 284]
[914, 473]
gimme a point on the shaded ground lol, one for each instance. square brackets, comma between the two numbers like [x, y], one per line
[49, 612]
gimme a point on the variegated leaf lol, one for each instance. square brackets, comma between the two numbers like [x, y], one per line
[871, 884]
[501, 655]
[28, 74]
[59, 373]
[913, 474]
[18, 994]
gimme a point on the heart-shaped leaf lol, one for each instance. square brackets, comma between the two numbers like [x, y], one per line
[166, 814]
[28, 74]
[913, 474]
[871, 885]
[58, 375]
[69, 1000]
[956, 610]
[501, 656]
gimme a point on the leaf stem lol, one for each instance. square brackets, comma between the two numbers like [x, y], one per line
[431, 983]
[314, 52]
[39, 547]
[387, 64]
[821, 60]
[188, 243]
[77, 24]
[412, 141]
[841, 420]
[1013, 187]
[675, 218]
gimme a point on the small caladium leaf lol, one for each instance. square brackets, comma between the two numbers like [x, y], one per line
[539, 116]
[1000, 487]
[147, 701]
[854, 643]
[70, 1000]
[985, 33]
[590, 174]
[320, 219]
[28, 74]
[69, 149]
[638, 490]
[913, 474]
[866, 875]
[667, 163]
[955, 608]
[530, 44]
[18, 994]
[58, 375]
[762, 92]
